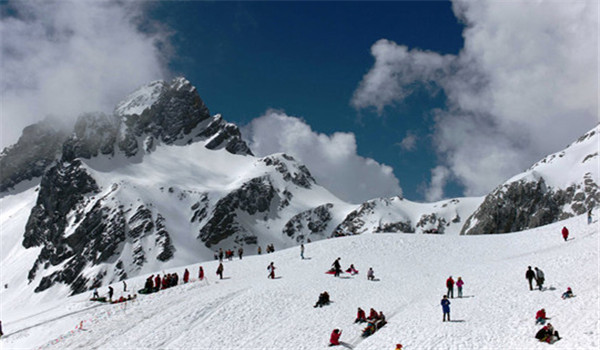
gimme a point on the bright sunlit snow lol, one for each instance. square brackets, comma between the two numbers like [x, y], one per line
[248, 311]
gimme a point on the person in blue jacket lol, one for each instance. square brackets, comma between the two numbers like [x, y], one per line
[446, 307]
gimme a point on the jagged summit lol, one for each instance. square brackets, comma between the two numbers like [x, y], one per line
[561, 185]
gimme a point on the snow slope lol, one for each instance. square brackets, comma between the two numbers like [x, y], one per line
[248, 311]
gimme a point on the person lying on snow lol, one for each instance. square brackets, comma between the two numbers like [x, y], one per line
[323, 300]
[369, 329]
[568, 293]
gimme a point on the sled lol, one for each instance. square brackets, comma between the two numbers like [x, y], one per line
[101, 299]
[145, 291]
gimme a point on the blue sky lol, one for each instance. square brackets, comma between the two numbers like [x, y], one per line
[307, 58]
[430, 99]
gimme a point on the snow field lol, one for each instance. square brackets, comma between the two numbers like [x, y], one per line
[248, 311]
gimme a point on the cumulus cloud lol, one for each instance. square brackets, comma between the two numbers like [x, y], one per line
[409, 142]
[331, 159]
[63, 58]
[439, 177]
[524, 85]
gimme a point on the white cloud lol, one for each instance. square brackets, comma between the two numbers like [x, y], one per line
[409, 142]
[439, 177]
[524, 85]
[331, 159]
[64, 58]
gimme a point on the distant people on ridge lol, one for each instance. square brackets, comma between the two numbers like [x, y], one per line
[220, 270]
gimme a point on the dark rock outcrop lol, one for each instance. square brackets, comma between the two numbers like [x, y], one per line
[308, 223]
[35, 151]
[521, 205]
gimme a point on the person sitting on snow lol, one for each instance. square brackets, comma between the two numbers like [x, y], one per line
[360, 316]
[352, 270]
[547, 334]
[568, 293]
[380, 322]
[335, 337]
[373, 315]
[323, 300]
[370, 274]
[540, 317]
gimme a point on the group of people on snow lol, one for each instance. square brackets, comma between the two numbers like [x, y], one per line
[537, 275]
[450, 286]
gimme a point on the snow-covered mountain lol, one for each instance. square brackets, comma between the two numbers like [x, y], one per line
[161, 183]
[559, 186]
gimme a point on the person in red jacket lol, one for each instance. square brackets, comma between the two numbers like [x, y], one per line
[565, 233]
[373, 314]
[360, 316]
[157, 283]
[200, 273]
[450, 285]
[540, 317]
[186, 276]
[335, 337]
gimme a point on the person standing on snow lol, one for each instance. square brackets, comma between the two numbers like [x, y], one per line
[539, 277]
[337, 267]
[450, 285]
[302, 251]
[240, 252]
[110, 293]
[220, 270]
[459, 284]
[200, 273]
[530, 275]
[445, 307]
[220, 254]
[335, 337]
[565, 233]
[186, 276]
[589, 216]
[1, 334]
[271, 269]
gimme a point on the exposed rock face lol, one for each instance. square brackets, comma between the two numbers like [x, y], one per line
[93, 134]
[523, 204]
[36, 150]
[309, 223]
[301, 177]
[354, 222]
[255, 196]
[559, 186]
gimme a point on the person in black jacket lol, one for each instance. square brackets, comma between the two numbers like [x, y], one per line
[337, 267]
[547, 333]
[530, 275]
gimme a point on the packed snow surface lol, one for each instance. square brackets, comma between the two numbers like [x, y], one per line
[246, 310]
